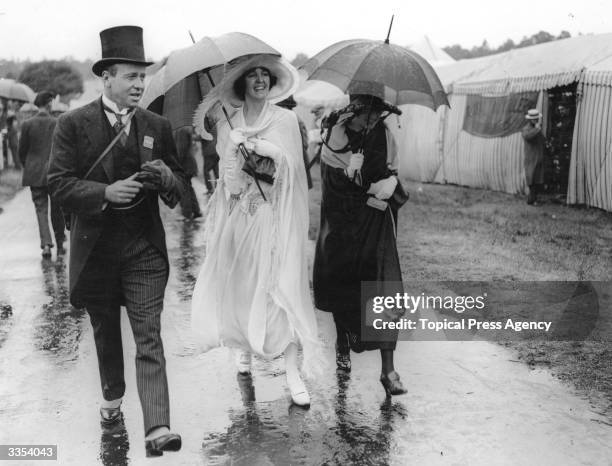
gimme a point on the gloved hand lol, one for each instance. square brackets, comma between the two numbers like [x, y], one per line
[266, 148]
[236, 137]
[355, 164]
[384, 188]
[231, 162]
[157, 166]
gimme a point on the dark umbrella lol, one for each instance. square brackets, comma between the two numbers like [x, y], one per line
[378, 68]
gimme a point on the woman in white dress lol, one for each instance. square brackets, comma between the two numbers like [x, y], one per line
[252, 292]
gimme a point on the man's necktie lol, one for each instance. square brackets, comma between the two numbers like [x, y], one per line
[118, 127]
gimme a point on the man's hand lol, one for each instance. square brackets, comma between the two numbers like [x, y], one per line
[158, 167]
[122, 191]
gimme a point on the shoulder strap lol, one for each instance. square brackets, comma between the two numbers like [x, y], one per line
[110, 146]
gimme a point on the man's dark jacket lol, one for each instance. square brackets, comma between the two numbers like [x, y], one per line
[79, 139]
[35, 148]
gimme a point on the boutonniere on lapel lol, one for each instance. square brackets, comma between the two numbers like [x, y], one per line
[147, 142]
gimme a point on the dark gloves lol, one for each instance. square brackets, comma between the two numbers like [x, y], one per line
[156, 175]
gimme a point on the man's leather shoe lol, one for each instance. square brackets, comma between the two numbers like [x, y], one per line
[110, 417]
[166, 442]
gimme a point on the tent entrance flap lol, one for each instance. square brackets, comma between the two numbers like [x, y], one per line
[560, 131]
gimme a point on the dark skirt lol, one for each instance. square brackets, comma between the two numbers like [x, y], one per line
[356, 243]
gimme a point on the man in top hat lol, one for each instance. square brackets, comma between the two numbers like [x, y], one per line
[34, 151]
[534, 153]
[117, 240]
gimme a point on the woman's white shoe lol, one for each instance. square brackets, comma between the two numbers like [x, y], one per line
[243, 362]
[299, 393]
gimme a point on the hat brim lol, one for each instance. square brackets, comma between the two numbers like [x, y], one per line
[287, 78]
[287, 82]
[99, 66]
[535, 117]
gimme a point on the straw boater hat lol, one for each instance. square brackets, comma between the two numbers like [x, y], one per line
[121, 44]
[533, 114]
[287, 82]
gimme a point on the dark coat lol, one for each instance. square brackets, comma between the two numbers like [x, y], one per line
[534, 154]
[184, 140]
[35, 148]
[79, 139]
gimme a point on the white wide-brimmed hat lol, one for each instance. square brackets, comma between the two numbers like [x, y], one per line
[287, 82]
[533, 114]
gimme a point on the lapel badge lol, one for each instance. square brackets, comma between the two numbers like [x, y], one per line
[147, 143]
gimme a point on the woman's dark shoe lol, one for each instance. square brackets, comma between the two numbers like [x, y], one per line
[392, 384]
[166, 442]
[343, 358]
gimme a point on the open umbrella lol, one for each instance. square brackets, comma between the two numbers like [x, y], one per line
[378, 68]
[183, 69]
[187, 75]
[12, 90]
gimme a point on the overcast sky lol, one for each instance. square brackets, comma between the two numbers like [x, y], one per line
[37, 29]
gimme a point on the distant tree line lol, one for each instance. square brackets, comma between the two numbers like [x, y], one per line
[458, 52]
[64, 77]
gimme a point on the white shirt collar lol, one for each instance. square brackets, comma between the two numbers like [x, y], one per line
[113, 106]
[112, 117]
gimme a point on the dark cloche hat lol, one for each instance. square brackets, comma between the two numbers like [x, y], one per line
[120, 44]
[43, 98]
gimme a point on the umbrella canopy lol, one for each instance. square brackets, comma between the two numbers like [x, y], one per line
[205, 54]
[388, 71]
[12, 90]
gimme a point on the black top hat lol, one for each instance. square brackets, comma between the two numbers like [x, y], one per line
[121, 44]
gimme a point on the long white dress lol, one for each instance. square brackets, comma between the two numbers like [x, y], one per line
[253, 292]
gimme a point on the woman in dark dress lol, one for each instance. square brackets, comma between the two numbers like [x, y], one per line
[357, 235]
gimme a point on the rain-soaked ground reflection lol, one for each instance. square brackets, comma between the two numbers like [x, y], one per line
[6, 314]
[58, 327]
[189, 257]
[275, 433]
[114, 446]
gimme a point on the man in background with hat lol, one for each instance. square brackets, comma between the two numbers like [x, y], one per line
[534, 153]
[34, 151]
[118, 251]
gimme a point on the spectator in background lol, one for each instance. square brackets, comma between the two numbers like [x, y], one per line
[289, 103]
[13, 139]
[210, 156]
[34, 151]
[184, 148]
[534, 153]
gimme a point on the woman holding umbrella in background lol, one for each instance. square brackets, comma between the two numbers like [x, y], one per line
[252, 292]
